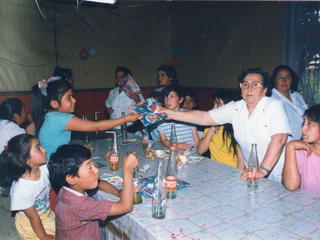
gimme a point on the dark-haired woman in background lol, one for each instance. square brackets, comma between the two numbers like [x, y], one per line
[166, 74]
[283, 86]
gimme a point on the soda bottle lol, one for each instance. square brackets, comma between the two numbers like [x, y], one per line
[159, 193]
[114, 156]
[145, 139]
[123, 127]
[171, 176]
[137, 199]
[253, 168]
[173, 139]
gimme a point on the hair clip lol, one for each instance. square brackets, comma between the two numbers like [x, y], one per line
[6, 147]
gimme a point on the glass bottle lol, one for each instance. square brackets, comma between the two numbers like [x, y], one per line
[171, 176]
[173, 139]
[123, 127]
[114, 156]
[145, 139]
[253, 168]
[137, 199]
[159, 193]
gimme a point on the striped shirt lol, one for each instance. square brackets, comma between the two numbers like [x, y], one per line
[183, 131]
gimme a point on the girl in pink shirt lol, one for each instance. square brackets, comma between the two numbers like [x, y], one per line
[302, 161]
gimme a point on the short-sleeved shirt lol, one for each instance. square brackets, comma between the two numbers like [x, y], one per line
[27, 193]
[120, 102]
[77, 215]
[8, 130]
[294, 110]
[183, 131]
[267, 119]
[52, 133]
[309, 169]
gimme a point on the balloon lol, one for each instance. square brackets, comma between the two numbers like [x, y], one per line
[92, 51]
[84, 54]
[176, 49]
[175, 62]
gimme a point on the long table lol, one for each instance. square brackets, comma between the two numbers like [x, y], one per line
[218, 205]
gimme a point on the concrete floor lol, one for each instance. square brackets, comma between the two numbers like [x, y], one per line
[7, 228]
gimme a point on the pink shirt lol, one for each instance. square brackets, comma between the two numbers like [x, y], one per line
[309, 168]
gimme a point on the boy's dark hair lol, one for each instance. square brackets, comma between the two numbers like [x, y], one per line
[192, 93]
[66, 161]
[9, 107]
[178, 89]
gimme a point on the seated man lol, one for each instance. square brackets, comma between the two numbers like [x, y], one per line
[118, 101]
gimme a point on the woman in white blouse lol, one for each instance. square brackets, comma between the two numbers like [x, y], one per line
[283, 86]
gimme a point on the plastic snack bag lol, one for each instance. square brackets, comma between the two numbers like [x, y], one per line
[129, 86]
[151, 110]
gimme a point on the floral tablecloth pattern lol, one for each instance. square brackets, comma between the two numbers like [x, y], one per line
[218, 206]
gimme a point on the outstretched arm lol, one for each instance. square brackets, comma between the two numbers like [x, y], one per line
[78, 124]
[194, 116]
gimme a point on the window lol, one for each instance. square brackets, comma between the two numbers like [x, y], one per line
[302, 53]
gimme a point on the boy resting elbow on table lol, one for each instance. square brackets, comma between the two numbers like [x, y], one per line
[72, 168]
[187, 133]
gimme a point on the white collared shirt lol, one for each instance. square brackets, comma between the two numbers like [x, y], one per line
[268, 118]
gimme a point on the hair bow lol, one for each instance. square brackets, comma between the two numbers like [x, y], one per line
[43, 84]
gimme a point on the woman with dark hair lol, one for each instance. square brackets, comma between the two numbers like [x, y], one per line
[220, 139]
[166, 74]
[283, 86]
[255, 119]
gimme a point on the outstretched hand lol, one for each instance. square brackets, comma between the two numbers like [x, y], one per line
[132, 117]
[168, 112]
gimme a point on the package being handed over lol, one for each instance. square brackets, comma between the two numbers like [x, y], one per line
[151, 110]
[129, 86]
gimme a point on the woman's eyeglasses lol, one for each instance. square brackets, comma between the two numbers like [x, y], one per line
[254, 85]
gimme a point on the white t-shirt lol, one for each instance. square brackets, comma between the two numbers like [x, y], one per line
[26, 193]
[268, 118]
[8, 130]
[120, 103]
[294, 110]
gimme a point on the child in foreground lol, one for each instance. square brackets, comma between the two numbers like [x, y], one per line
[302, 160]
[22, 167]
[72, 168]
[187, 133]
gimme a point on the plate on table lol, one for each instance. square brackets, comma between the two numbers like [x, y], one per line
[129, 141]
[195, 159]
[114, 180]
